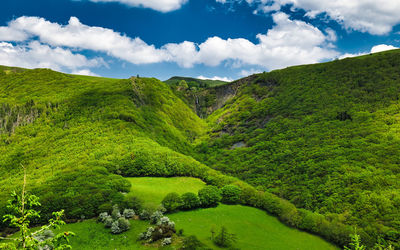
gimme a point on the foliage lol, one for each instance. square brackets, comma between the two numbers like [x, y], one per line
[224, 238]
[163, 229]
[209, 196]
[192, 243]
[230, 194]
[22, 212]
[172, 202]
[155, 217]
[128, 213]
[190, 201]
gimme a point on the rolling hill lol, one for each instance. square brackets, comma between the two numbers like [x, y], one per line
[319, 144]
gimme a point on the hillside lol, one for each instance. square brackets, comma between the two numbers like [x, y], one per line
[323, 136]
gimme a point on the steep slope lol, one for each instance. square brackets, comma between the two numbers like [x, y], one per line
[77, 135]
[324, 136]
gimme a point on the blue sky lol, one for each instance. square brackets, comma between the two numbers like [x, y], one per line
[225, 39]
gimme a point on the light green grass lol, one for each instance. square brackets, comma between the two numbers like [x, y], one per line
[152, 190]
[253, 227]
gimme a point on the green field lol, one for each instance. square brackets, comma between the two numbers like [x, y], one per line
[152, 190]
[253, 227]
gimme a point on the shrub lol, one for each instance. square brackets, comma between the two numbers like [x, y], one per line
[123, 224]
[166, 241]
[108, 222]
[115, 228]
[106, 207]
[171, 202]
[190, 201]
[128, 213]
[230, 194]
[115, 214]
[155, 217]
[209, 196]
[144, 215]
[132, 202]
[102, 217]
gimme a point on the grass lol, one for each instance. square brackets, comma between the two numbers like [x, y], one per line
[254, 228]
[152, 190]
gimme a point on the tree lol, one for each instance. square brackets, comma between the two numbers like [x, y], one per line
[190, 201]
[172, 202]
[355, 242]
[209, 196]
[230, 194]
[224, 238]
[22, 212]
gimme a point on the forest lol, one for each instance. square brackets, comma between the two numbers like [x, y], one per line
[317, 146]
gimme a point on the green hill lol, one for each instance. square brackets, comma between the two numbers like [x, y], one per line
[194, 82]
[323, 137]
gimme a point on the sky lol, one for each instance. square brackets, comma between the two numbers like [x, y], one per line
[210, 39]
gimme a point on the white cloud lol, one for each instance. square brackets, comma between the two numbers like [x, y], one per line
[85, 72]
[159, 5]
[382, 47]
[216, 78]
[289, 42]
[374, 49]
[37, 55]
[373, 16]
[249, 72]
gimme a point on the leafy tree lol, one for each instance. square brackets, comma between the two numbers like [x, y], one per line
[171, 202]
[355, 243]
[224, 238]
[230, 194]
[190, 201]
[22, 213]
[209, 196]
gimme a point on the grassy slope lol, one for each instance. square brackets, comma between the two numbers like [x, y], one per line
[78, 134]
[297, 146]
[153, 190]
[205, 83]
[254, 228]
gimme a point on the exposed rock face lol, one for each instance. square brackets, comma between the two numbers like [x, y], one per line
[207, 101]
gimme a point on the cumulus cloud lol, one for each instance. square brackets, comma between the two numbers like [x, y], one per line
[373, 16]
[374, 49]
[37, 55]
[216, 78]
[84, 72]
[159, 5]
[289, 42]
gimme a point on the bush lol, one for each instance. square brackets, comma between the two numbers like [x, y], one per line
[171, 202]
[108, 222]
[102, 217]
[124, 224]
[190, 201]
[209, 196]
[155, 217]
[166, 241]
[128, 213]
[132, 202]
[230, 194]
[115, 228]
[115, 214]
[144, 215]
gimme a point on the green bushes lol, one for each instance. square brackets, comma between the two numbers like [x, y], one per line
[209, 196]
[189, 201]
[172, 202]
[230, 194]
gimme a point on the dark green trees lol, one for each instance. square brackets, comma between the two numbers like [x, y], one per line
[230, 194]
[171, 202]
[190, 201]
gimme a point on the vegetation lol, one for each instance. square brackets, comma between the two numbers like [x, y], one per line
[22, 213]
[254, 228]
[318, 144]
[224, 238]
[323, 136]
